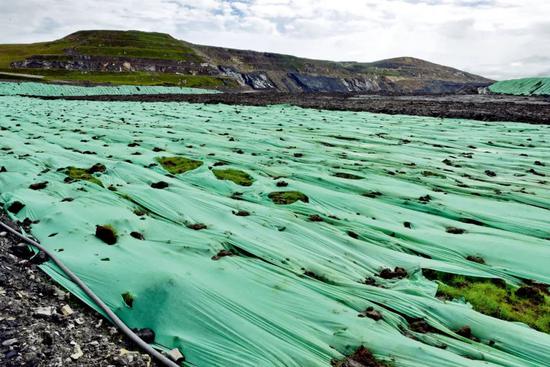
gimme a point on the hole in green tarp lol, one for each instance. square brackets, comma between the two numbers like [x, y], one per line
[178, 165]
[128, 299]
[287, 197]
[239, 177]
[529, 304]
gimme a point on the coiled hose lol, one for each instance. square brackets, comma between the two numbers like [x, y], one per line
[114, 318]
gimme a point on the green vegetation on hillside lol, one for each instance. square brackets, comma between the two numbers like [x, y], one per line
[131, 44]
[496, 299]
[127, 78]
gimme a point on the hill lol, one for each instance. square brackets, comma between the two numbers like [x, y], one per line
[134, 57]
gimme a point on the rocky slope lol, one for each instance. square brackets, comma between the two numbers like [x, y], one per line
[131, 51]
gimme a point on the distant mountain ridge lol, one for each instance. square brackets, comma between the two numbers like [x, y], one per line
[134, 57]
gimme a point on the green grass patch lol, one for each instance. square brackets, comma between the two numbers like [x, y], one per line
[287, 197]
[81, 174]
[128, 78]
[239, 177]
[494, 298]
[178, 165]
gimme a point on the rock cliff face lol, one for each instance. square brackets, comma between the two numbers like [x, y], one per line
[114, 51]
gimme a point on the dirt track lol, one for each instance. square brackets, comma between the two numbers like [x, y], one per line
[478, 107]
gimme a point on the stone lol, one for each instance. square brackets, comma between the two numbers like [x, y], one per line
[7, 343]
[66, 310]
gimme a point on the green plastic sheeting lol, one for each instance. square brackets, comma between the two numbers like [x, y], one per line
[523, 87]
[41, 89]
[292, 291]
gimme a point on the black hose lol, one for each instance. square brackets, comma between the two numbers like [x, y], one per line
[114, 318]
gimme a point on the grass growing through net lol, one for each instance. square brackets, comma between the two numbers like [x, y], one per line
[239, 177]
[178, 165]
[496, 299]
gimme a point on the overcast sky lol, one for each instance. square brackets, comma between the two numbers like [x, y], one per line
[495, 38]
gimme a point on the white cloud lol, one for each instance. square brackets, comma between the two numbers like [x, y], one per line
[495, 38]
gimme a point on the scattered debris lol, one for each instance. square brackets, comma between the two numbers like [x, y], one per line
[66, 310]
[77, 352]
[176, 355]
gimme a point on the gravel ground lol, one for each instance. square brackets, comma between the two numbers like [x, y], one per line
[35, 331]
[470, 106]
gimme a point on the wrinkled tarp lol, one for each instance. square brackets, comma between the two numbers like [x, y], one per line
[264, 307]
[525, 87]
[41, 89]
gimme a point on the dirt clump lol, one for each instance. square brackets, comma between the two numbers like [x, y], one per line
[371, 313]
[397, 273]
[223, 253]
[476, 259]
[241, 213]
[106, 233]
[315, 218]
[455, 230]
[137, 235]
[197, 226]
[16, 207]
[362, 357]
[159, 185]
[38, 185]
[531, 293]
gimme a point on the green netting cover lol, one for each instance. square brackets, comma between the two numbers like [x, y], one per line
[525, 87]
[41, 89]
[291, 292]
